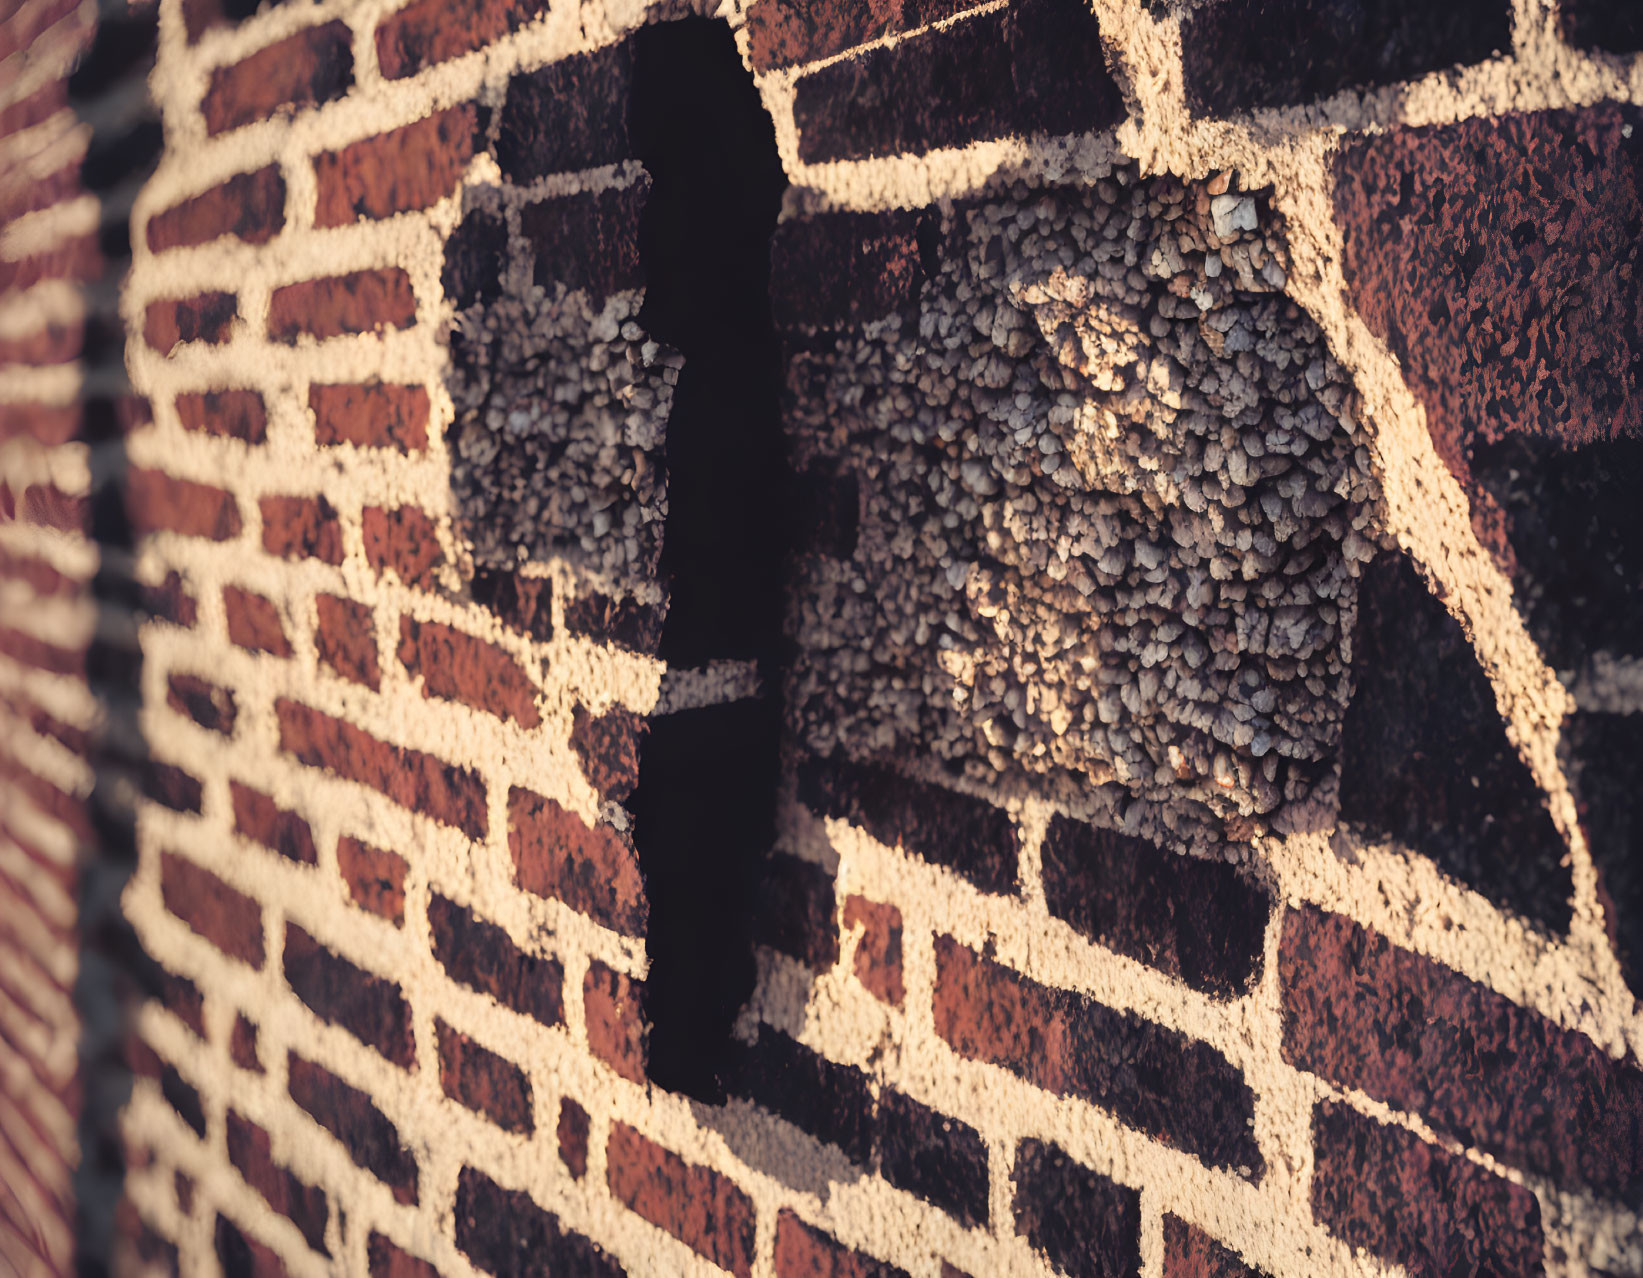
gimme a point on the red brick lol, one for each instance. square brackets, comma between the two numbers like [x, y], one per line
[41, 655]
[156, 501]
[480, 955]
[785, 33]
[50, 507]
[592, 869]
[52, 344]
[483, 1081]
[337, 305]
[309, 68]
[371, 1140]
[242, 1044]
[235, 414]
[878, 952]
[1087, 1225]
[250, 1150]
[573, 1137]
[804, 1252]
[402, 539]
[698, 1206]
[370, 415]
[611, 1008]
[1475, 1065]
[375, 878]
[426, 32]
[503, 1232]
[48, 424]
[346, 639]
[227, 918]
[608, 747]
[207, 318]
[254, 622]
[459, 667]
[245, 1257]
[1384, 1189]
[796, 911]
[386, 1259]
[410, 168]
[259, 818]
[1191, 1253]
[369, 1007]
[1174, 1088]
[249, 206]
[301, 528]
[210, 706]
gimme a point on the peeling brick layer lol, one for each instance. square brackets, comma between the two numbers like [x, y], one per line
[1211, 685]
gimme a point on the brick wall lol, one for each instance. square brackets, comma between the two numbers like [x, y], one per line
[1199, 438]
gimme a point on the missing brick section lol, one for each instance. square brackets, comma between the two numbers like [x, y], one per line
[704, 805]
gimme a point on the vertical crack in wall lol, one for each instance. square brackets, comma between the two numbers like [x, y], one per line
[704, 806]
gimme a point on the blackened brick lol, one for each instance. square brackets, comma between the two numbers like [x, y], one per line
[210, 706]
[964, 834]
[244, 1257]
[588, 241]
[1174, 1088]
[183, 1098]
[483, 1081]
[1246, 54]
[311, 67]
[229, 919]
[1087, 1225]
[569, 115]
[938, 1158]
[369, 1007]
[363, 1129]
[505, 1233]
[1604, 755]
[1425, 758]
[304, 1205]
[1422, 1038]
[700, 1207]
[624, 622]
[1191, 1253]
[795, 911]
[370, 415]
[804, 1252]
[475, 257]
[260, 819]
[345, 638]
[832, 1102]
[1384, 1189]
[521, 603]
[592, 869]
[1037, 67]
[1202, 922]
[481, 956]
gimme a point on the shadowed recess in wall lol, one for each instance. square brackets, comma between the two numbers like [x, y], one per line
[704, 804]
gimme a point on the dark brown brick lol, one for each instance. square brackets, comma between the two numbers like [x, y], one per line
[1384, 1189]
[588, 241]
[476, 255]
[506, 1234]
[521, 603]
[156, 501]
[345, 638]
[208, 318]
[364, 1130]
[878, 952]
[484, 1082]
[967, 835]
[613, 1012]
[1174, 1088]
[592, 869]
[1425, 759]
[384, 1258]
[1614, 26]
[182, 998]
[624, 622]
[210, 706]
[338, 305]
[169, 601]
[702, 1208]
[837, 269]
[1202, 922]
[370, 415]
[301, 528]
[785, 33]
[427, 32]
[480, 955]
[938, 1158]
[1603, 754]
[304, 1205]
[1087, 1225]
[571, 114]
[229, 919]
[183, 1098]
[307, 69]
[375, 878]
[409, 168]
[805, 1252]
[573, 1137]
[233, 414]
[249, 206]
[608, 747]
[254, 622]
[265, 822]
[1475, 1065]
[795, 911]
[369, 1007]
[402, 539]
[459, 667]
[242, 1044]
[1036, 67]
[410, 778]
[1243, 55]
[245, 1257]
[1191, 1253]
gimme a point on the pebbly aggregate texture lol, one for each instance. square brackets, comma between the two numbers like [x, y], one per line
[1114, 502]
